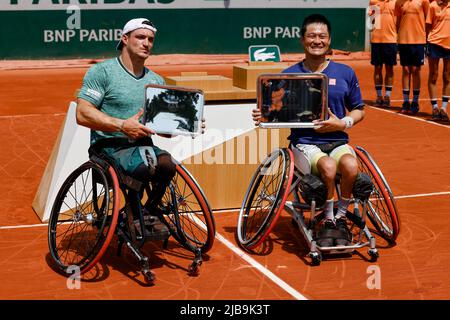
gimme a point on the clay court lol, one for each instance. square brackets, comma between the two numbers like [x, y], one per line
[411, 151]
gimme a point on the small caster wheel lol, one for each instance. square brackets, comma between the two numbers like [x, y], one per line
[194, 267]
[373, 253]
[149, 277]
[316, 258]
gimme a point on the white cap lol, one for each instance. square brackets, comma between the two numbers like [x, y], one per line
[134, 24]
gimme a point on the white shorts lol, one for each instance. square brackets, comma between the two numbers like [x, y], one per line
[307, 155]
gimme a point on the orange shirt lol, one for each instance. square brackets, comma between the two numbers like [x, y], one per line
[411, 15]
[385, 27]
[439, 19]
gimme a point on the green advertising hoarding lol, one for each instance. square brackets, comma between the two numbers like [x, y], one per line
[34, 29]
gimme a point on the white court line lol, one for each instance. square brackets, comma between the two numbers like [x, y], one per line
[269, 274]
[411, 117]
[32, 115]
[423, 195]
[24, 226]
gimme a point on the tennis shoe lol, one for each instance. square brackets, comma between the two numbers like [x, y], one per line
[379, 102]
[435, 114]
[405, 107]
[387, 101]
[414, 108]
[345, 235]
[443, 114]
[324, 238]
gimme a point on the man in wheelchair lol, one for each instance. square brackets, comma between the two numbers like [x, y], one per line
[324, 151]
[110, 104]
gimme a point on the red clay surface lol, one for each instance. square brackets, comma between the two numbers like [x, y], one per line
[412, 153]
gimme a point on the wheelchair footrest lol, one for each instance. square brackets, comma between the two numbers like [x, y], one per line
[333, 236]
[154, 229]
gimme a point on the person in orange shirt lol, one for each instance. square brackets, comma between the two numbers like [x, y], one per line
[383, 48]
[411, 16]
[438, 29]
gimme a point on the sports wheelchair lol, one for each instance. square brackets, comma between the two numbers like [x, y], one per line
[87, 212]
[280, 184]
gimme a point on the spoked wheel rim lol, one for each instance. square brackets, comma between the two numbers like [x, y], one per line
[195, 226]
[381, 208]
[265, 198]
[83, 217]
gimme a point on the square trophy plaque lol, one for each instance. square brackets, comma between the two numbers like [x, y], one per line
[292, 100]
[173, 110]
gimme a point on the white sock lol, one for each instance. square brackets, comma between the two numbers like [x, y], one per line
[342, 208]
[444, 102]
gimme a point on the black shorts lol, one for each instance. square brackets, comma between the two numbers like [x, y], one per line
[436, 52]
[383, 53]
[412, 54]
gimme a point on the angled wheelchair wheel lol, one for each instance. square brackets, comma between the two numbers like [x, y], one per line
[265, 198]
[187, 212]
[382, 210]
[83, 217]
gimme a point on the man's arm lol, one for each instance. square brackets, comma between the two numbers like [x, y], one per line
[333, 123]
[89, 116]
[398, 13]
[426, 8]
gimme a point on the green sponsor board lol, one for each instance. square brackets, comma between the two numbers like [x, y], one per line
[264, 53]
[178, 4]
[34, 34]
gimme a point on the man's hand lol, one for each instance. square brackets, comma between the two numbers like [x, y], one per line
[134, 129]
[332, 124]
[203, 125]
[256, 114]
[174, 135]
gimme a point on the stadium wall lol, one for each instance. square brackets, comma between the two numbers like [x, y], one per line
[39, 29]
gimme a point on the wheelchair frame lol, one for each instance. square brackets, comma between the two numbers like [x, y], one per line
[263, 203]
[79, 234]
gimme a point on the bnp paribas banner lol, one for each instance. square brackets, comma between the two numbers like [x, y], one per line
[36, 29]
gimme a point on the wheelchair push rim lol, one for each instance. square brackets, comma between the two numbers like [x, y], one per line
[265, 198]
[382, 210]
[83, 222]
[189, 216]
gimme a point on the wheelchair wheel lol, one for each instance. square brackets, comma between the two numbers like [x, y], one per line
[382, 211]
[187, 212]
[265, 198]
[84, 217]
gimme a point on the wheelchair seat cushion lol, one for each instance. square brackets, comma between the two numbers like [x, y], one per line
[363, 187]
[312, 188]
[328, 147]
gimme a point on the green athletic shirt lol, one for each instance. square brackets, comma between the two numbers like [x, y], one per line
[110, 87]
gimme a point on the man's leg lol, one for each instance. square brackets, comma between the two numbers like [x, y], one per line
[415, 72]
[388, 84]
[348, 167]
[326, 167]
[406, 77]
[378, 80]
[433, 65]
[445, 89]
[164, 173]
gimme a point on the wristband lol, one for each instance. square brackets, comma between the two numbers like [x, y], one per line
[348, 121]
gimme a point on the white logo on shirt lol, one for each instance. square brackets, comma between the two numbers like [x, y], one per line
[93, 93]
[332, 82]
